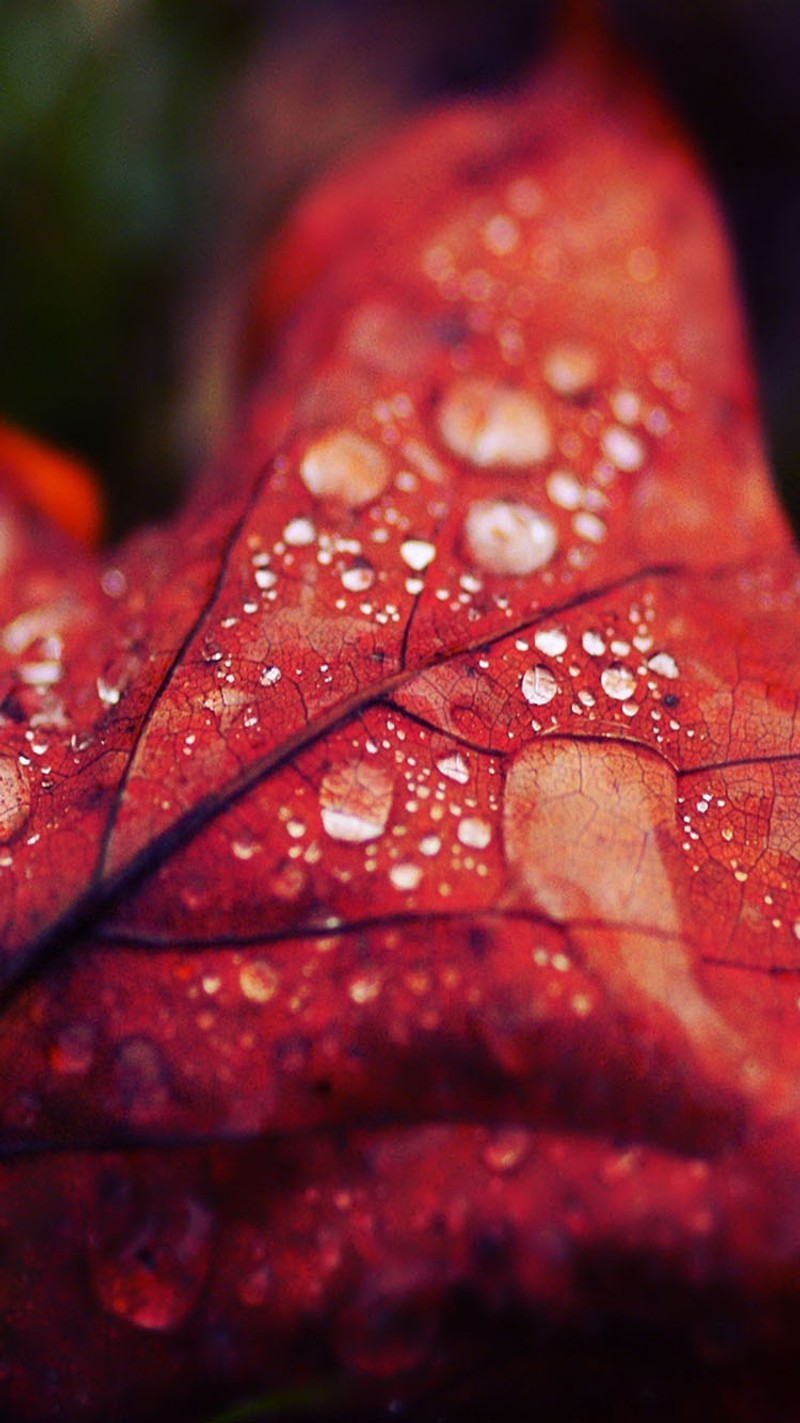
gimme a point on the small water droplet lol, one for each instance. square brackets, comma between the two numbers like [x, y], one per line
[493, 424]
[551, 641]
[358, 577]
[593, 643]
[417, 554]
[626, 406]
[539, 686]
[270, 676]
[108, 692]
[73, 1049]
[570, 370]
[618, 682]
[299, 532]
[564, 490]
[265, 578]
[454, 767]
[506, 1149]
[245, 846]
[508, 538]
[355, 801]
[258, 981]
[344, 466]
[589, 527]
[663, 665]
[624, 450]
[15, 799]
[474, 832]
[405, 876]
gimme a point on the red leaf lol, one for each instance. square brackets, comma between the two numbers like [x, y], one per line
[400, 852]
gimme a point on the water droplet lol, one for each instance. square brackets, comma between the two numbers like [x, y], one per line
[622, 448]
[796, 928]
[270, 676]
[618, 682]
[343, 465]
[73, 1049]
[663, 665]
[593, 643]
[626, 406]
[506, 1149]
[265, 578]
[152, 1273]
[551, 641]
[108, 692]
[493, 424]
[570, 370]
[358, 577]
[15, 799]
[299, 532]
[589, 527]
[501, 235]
[258, 981]
[405, 876]
[365, 989]
[355, 801]
[474, 832]
[417, 554]
[505, 537]
[454, 767]
[539, 686]
[430, 845]
[114, 583]
[564, 490]
[245, 846]
[140, 1080]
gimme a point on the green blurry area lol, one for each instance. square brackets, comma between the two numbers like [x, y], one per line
[104, 106]
[129, 208]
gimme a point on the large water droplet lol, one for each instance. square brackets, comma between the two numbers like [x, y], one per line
[355, 801]
[15, 799]
[625, 450]
[539, 686]
[258, 981]
[343, 465]
[570, 370]
[507, 537]
[152, 1273]
[618, 682]
[493, 424]
[454, 767]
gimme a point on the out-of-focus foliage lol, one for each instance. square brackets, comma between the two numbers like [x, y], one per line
[146, 144]
[104, 113]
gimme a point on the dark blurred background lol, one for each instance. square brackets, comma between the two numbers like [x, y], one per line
[147, 146]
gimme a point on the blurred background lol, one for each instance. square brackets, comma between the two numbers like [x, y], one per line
[148, 146]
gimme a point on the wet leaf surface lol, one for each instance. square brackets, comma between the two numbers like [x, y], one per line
[400, 898]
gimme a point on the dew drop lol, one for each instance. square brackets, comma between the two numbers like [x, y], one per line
[796, 928]
[455, 768]
[506, 1149]
[265, 578]
[417, 554]
[624, 450]
[551, 641]
[270, 676]
[570, 370]
[505, 537]
[501, 235]
[405, 876]
[593, 643]
[589, 527]
[494, 424]
[108, 692]
[564, 490]
[663, 665]
[343, 465]
[539, 686]
[358, 578]
[474, 832]
[152, 1274]
[355, 801]
[258, 981]
[299, 532]
[15, 799]
[618, 682]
